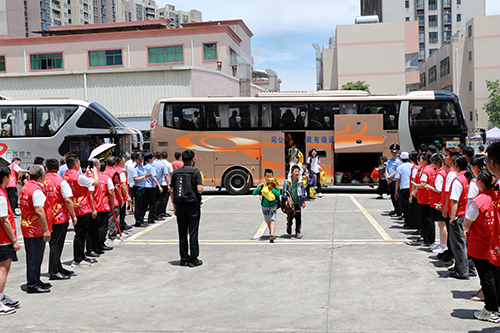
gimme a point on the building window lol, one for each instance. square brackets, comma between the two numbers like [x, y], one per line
[2, 63]
[422, 80]
[444, 66]
[471, 117]
[431, 51]
[459, 17]
[433, 37]
[470, 85]
[420, 4]
[459, 2]
[46, 61]
[432, 74]
[407, 19]
[447, 19]
[421, 54]
[447, 3]
[421, 37]
[420, 20]
[447, 36]
[407, 4]
[411, 61]
[469, 31]
[433, 5]
[105, 58]
[233, 55]
[166, 54]
[210, 51]
[470, 55]
[433, 21]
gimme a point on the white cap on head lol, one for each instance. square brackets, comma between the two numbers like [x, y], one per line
[404, 155]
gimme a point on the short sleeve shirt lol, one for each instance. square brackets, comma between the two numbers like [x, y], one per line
[4, 210]
[139, 171]
[149, 181]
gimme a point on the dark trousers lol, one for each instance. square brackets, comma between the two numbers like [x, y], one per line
[404, 197]
[140, 208]
[463, 264]
[428, 228]
[486, 272]
[123, 213]
[151, 201]
[56, 243]
[297, 214]
[383, 188]
[318, 182]
[80, 236]
[34, 256]
[102, 218]
[12, 194]
[415, 222]
[92, 237]
[392, 190]
[161, 201]
[188, 222]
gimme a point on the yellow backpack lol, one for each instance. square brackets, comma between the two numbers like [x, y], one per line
[301, 157]
[312, 193]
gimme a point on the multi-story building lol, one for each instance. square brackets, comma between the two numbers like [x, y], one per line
[384, 55]
[437, 20]
[179, 17]
[29, 18]
[464, 65]
[127, 66]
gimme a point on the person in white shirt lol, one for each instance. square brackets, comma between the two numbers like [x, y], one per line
[166, 185]
[129, 167]
[314, 161]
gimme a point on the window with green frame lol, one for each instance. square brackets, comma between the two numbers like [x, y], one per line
[2, 63]
[46, 61]
[210, 51]
[166, 54]
[105, 58]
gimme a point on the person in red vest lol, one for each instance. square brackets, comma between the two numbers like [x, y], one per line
[436, 205]
[15, 170]
[60, 204]
[83, 208]
[36, 230]
[101, 196]
[426, 175]
[119, 168]
[479, 220]
[9, 244]
[118, 201]
[464, 267]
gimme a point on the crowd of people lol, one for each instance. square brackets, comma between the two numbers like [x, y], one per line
[95, 201]
[457, 189]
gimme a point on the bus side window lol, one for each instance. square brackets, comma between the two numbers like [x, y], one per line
[348, 108]
[211, 114]
[433, 114]
[266, 118]
[19, 121]
[48, 119]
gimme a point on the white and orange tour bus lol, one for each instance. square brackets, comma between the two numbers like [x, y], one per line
[236, 138]
[52, 127]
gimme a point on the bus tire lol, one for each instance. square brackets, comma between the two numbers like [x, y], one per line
[236, 182]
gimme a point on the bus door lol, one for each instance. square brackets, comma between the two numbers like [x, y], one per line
[205, 162]
[291, 138]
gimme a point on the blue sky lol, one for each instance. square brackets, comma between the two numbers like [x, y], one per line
[284, 31]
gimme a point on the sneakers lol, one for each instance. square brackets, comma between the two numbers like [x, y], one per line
[195, 263]
[487, 316]
[6, 300]
[440, 248]
[6, 310]
[82, 263]
[298, 235]
[289, 228]
[320, 195]
[272, 238]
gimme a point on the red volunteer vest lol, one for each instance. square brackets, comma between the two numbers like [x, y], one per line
[120, 171]
[101, 200]
[478, 242]
[14, 176]
[462, 201]
[436, 196]
[494, 254]
[30, 226]
[81, 195]
[55, 204]
[423, 195]
[4, 239]
[415, 166]
[116, 181]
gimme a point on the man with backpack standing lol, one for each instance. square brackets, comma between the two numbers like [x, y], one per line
[185, 192]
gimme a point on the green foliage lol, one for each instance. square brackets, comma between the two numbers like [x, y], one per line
[492, 107]
[358, 85]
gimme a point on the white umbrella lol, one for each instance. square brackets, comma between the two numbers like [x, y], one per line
[101, 149]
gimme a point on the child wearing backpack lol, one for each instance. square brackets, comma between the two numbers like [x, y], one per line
[270, 193]
[294, 187]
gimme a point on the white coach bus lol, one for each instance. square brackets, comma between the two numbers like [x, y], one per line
[52, 127]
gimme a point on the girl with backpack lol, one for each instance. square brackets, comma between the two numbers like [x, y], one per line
[314, 161]
[294, 188]
[270, 193]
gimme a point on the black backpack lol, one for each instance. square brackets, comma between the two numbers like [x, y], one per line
[184, 186]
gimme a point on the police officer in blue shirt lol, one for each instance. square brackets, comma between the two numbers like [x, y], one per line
[392, 165]
[152, 187]
[403, 173]
[140, 175]
[162, 177]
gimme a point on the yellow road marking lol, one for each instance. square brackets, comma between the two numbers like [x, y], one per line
[261, 230]
[370, 218]
[151, 227]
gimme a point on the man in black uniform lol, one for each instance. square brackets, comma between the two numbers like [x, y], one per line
[185, 192]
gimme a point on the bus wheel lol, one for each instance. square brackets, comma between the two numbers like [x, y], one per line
[235, 182]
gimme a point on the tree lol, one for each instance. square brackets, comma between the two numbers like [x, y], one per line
[358, 85]
[492, 107]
